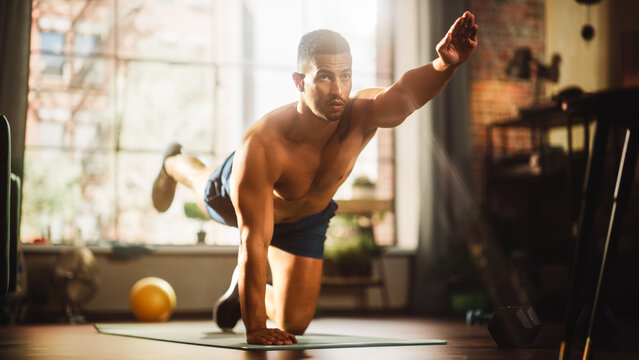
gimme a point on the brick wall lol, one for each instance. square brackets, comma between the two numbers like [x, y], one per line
[504, 25]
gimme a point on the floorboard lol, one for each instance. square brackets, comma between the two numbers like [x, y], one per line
[464, 342]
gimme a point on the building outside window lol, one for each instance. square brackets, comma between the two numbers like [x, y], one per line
[113, 82]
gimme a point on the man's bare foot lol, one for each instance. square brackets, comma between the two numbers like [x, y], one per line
[164, 185]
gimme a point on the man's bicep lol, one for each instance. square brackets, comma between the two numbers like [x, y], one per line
[369, 93]
[392, 106]
[252, 195]
[255, 210]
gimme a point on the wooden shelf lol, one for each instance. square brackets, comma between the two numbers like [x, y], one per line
[363, 206]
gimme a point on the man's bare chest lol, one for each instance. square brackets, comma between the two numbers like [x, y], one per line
[318, 173]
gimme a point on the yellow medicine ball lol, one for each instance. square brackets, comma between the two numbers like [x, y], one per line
[152, 299]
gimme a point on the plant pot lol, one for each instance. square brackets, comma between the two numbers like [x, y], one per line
[363, 192]
[201, 237]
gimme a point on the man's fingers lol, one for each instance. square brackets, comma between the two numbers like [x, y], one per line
[267, 339]
[462, 27]
[468, 23]
[470, 32]
[273, 337]
[457, 27]
[470, 17]
[446, 41]
[473, 32]
[293, 338]
[287, 338]
[281, 334]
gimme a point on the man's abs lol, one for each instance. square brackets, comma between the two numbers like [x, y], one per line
[292, 211]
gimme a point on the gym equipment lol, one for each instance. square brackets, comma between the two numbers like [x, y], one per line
[152, 299]
[205, 334]
[478, 317]
[9, 214]
[608, 109]
[514, 326]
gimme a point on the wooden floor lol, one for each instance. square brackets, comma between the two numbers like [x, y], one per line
[464, 342]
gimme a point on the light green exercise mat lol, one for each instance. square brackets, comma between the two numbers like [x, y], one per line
[208, 334]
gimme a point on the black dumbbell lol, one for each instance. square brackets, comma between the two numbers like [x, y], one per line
[514, 326]
[477, 317]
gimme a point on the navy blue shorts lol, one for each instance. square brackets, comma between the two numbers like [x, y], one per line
[304, 238]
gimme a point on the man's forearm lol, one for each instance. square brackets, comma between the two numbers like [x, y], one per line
[414, 89]
[424, 83]
[252, 286]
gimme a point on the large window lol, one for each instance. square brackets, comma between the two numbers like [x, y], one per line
[112, 82]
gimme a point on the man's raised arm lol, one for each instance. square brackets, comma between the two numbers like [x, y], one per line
[417, 86]
[252, 185]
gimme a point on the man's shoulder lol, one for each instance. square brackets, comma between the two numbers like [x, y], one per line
[269, 127]
[259, 151]
[369, 93]
[362, 109]
[282, 112]
[262, 139]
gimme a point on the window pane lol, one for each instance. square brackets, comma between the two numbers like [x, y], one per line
[271, 89]
[85, 26]
[139, 222]
[166, 30]
[231, 115]
[68, 196]
[277, 27]
[163, 103]
[356, 20]
[73, 112]
[52, 44]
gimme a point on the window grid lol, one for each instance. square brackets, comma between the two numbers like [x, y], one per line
[88, 66]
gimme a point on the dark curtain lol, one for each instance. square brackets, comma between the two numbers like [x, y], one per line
[15, 33]
[444, 161]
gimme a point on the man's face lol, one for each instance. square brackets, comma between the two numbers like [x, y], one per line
[327, 85]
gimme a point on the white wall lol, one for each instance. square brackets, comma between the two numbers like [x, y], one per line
[584, 64]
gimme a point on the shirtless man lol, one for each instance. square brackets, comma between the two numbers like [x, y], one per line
[277, 188]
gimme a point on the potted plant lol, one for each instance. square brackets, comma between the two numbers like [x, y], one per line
[363, 188]
[193, 212]
[350, 248]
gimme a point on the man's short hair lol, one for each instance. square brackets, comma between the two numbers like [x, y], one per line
[320, 42]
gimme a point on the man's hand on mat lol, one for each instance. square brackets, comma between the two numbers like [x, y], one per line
[270, 337]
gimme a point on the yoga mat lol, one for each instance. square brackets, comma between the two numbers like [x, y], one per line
[208, 334]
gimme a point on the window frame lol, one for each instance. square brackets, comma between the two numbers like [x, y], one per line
[247, 92]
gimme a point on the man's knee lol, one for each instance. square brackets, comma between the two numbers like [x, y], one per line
[296, 323]
[295, 327]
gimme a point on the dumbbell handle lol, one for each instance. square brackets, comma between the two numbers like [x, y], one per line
[477, 317]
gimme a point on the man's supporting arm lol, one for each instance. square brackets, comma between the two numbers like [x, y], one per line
[253, 180]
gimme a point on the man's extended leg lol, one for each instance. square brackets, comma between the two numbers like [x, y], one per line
[292, 299]
[179, 168]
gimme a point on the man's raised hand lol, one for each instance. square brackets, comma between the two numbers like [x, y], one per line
[460, 41]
